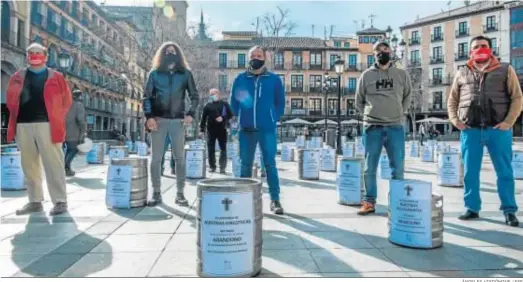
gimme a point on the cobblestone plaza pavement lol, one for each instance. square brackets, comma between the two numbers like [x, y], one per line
[315, 238]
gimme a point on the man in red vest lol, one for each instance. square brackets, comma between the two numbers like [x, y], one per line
[38, 99]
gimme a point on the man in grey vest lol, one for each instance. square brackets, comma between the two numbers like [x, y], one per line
[484, 102]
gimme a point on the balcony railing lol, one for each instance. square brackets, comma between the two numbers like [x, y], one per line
[437, 60]
[278, 66]
[461, 56]
[14, 39]
[440, 81]
[348, 91]
[491, 27]
[414, 41]
[462, 32]
[414, 63]
[436, 37]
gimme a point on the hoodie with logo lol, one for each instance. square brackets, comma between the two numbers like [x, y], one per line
[383, 96]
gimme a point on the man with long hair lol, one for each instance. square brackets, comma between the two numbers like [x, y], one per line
[168, 83]
[258, 99]
[38, 99]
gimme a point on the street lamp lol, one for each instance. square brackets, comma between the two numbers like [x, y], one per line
[325, 89]
[339, 65]
[388, 32]
[64, 62]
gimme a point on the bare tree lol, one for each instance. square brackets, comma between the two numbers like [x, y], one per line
[278, 24]
[416, 76]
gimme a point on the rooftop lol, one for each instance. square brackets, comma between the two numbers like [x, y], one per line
[274, 42]
[240, 33]
[370, 31]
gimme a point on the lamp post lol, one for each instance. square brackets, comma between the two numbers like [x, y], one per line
[339, 65]
[64, 63]
[326, 90]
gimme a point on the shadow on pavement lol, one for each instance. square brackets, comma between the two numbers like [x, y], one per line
[317, 184]
[89, 183]
[58, 246]
[13, 194]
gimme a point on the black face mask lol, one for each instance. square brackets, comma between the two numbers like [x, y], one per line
[383, 58]
[256, 64]
[172, 59]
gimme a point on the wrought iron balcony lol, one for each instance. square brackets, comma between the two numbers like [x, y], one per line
[414, 41]
[461, 56]
[490, 27]
[414, 63]
[462, 32]
[437, 60]
[436, 37]
[440, 81]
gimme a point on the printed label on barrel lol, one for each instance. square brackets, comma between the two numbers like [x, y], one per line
[414, 150]
[349, 182]
[194, 163]
[517, 164]
[311, 164]
[118, 190]
[12, 173]
[411, 213]
[197, 144]
[227, 233]
[328, 159]
[449, 169]
[142, 149]
[427, 154]
[348, 150]
[300, 141]
[116, 153]
[95, 154]
[287, 153]
[385, 171]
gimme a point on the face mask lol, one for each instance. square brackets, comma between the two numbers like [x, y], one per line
[481, 55]
[256, 64]
[172, 59]
[383, 58]
[213, 98]
[36, 59]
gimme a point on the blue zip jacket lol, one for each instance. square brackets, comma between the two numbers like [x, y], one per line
[257, 100]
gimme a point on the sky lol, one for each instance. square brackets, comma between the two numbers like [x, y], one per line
[241, 15]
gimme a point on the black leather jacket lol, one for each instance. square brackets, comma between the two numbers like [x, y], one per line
[165, 92]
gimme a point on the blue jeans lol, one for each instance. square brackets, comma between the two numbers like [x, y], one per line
[499, 145]
[374, 139]
[248, 141]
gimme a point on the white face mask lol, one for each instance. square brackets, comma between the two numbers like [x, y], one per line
[213, 98]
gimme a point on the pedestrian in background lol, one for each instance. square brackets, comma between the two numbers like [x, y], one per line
[171, 162]
[422, 133]
[38, 99]
[484, 103]
[168, 84]
[383, 93]
[76, 127]
[215, 117]
[258, 100]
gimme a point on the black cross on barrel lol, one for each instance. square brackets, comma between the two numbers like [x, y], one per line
[226, 202]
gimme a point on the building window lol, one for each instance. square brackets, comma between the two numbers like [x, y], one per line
[296, 59]
[437, 32]
[462, 28]
[296, 103]
[437, 73]
[370, 60]
[517, 64]
[346, 44]
[352, 83]
[516, 16]
[353, 60]
[315, 82]
[296, 83]
[337, 44]
[332, 106]
[414, 57]
[316, 60]
[222, 82]
[491, 22]
[241, 60]
[278, 60]
[366, 39]
[415, 35]
[437, 100]
[516, 39]
[437, 52]
[333, 59]
[222, 59]
[463, 49]
[315, 106]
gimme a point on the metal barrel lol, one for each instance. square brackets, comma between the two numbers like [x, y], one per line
[139, 179]
[427, 153]
[12, 173]
[348, 149]
[300, 141]
[414, 149]
[287, 153]
[349, 181]
[9, 148]
[517, 164]
[195, 160]
[124, 148]
[309, 164]
[230, 221]
[329, 159]
[97, 154]
[450, 169]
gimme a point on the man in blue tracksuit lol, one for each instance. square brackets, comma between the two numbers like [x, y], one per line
[258, 101]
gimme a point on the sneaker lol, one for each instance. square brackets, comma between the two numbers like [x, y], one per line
[366, 208]
[181, 201]
[276, 207]
[212, 170]
[69, 172]
[468, 215]
[511, 220]
[222, 170]
[156, 200]
[58, 208]
[30, 208]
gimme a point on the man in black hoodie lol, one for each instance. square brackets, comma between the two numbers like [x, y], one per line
[215, 117]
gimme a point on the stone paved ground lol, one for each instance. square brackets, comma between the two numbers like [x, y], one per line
[316, 238]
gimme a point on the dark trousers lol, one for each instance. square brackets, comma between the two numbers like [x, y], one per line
[221, 136]
[70, 153]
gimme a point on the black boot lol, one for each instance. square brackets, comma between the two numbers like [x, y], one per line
[511, 220]
[469, 215]
[69, 172]
[30, 208]
[156, 200]
[276, 207]
[181, 201]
